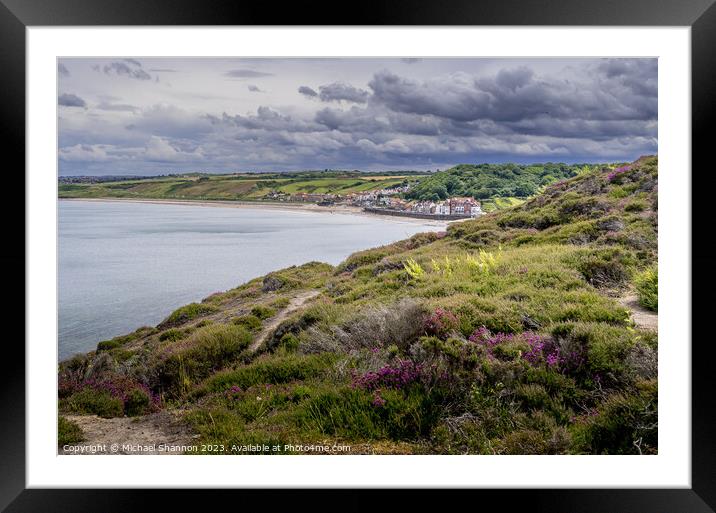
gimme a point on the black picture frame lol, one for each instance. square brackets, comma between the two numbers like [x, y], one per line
[700, 15]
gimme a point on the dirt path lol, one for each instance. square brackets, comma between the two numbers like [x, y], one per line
[268, 328]
[147, 434]
[131, 435]
[643, 318]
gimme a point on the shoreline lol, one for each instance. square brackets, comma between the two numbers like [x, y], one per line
[290, 207]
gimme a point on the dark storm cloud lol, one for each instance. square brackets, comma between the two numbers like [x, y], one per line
[407, 117]
[307, 91]
[610, 92]
[71, 100]
[338, 91]
[127, 68]
[62, 70]
[246, 73]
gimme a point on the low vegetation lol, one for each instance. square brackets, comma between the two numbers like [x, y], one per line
[68, 432]
[504, 335]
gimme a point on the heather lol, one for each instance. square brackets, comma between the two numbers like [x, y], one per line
[504, 335]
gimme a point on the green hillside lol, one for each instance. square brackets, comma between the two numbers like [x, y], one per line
[234, 187]
[485, 181]
[504, 335]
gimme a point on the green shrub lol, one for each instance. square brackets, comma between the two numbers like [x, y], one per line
[273, 370]
[93, 402]
[68, 432]
[250, 322]
[625, 423]
[280, 303]
[635, 206]
[137, 403]
[172, 334]
[208, 349]
[647, 287]
[187, 313]
[289, 342]
[107, 345]
[354, 413]
[608, 267]
[263, 312]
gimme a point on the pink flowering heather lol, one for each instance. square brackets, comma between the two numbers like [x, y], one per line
[398, 375]
[121, 387]
[618, 171]
[234, 392]
[542, 350]
[441, 323]
[485, 337]
[378, 400]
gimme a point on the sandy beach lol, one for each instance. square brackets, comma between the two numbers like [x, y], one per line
[292, 207]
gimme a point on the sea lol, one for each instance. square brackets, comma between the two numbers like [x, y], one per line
[125, 264]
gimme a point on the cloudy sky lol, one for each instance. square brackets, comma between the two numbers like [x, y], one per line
[155, 116]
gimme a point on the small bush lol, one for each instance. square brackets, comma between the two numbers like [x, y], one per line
[354, 413]
[93, 402]
[399, 323]
[108, 345]
[187, 313]
[605, 268]
[250, 322]
[171, 334]
[626, 423]
[274, 370]
[647, 286]
[68, 432]
[137, 403]
[289, 342]
[280, 303]
[205, 351]
[263, 312]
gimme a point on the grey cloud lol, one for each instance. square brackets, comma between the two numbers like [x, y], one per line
[128, 68]
[71, 100]
[338, 91]
[133, 62]
[254, 89]
[307, 91]
[513, 79]
[117, 107]
[162, 70]
[597, 109]
[62, 70]
[411, 60]
[351, 121]
[246, 73]
[267, 119]
[618, 92]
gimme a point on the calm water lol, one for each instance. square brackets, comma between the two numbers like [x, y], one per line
[125, 265]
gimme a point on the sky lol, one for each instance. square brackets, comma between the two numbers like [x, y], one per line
[149, 116]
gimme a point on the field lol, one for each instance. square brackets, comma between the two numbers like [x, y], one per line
[232, 187]
[505, 335]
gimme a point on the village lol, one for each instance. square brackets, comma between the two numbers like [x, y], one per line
[390, 201]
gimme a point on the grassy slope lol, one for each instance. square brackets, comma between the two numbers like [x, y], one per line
[505, 337]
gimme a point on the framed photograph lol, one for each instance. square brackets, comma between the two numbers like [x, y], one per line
[265, 250]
